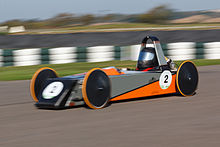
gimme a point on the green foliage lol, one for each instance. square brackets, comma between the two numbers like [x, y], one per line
[12, 23]
[61, 20]
[160, 14]
[87, 19]
[108, 17]
[34, 24]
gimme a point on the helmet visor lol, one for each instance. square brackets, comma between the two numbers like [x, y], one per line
[146, 56]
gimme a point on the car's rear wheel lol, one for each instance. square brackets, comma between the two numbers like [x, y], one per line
[38, 79]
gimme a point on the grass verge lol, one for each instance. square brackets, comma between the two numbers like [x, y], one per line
[118, 27]
[26, 72]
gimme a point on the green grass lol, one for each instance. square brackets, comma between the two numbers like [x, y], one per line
[132, 26]
[136, 25]
[26, 72]
[206, 62]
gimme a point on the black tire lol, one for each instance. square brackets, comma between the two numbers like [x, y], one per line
[187, 78]
[96, 89]
[38, 79]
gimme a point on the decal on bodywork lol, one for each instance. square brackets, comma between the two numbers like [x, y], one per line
[165, 79]
[52, 90]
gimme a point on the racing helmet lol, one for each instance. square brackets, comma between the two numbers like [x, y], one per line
[147, 58]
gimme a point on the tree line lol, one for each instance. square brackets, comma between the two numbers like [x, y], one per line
[158, 15]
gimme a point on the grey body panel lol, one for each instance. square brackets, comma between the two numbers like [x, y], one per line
[76, 95]
[160, 55]
[127, 82]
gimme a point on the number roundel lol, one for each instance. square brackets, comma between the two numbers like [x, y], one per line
[52, 90]
[165, 79]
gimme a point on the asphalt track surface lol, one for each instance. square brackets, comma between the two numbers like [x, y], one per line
[105, 38]
[170, 121]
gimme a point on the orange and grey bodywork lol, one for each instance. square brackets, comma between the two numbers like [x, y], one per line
[98, 87]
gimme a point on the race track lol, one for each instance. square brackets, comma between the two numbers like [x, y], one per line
[170, 121]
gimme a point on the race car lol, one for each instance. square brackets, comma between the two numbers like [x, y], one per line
[154, 75]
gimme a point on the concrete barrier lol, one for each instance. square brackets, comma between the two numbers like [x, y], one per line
[62, 55]
[212, 50]
[25, 57]
[35, 56]
[100, 53]
[1, 58]
[181, 50]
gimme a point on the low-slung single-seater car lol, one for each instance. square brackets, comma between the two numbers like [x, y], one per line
[154, 75]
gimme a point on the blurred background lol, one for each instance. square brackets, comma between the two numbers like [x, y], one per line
[77, 16]
[58, 32]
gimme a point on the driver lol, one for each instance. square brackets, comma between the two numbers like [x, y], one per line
[147, 59]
